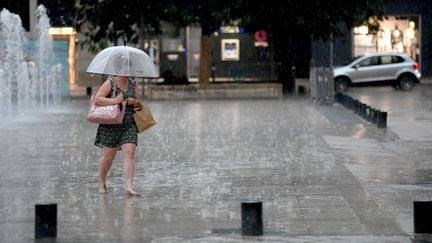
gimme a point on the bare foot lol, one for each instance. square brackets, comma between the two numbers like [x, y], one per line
[102, 189]
[132, 193]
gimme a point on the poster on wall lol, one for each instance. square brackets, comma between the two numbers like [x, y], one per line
[396, 34]
[230, 49]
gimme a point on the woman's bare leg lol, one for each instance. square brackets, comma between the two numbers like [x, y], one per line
[105, 165]
[129, 166]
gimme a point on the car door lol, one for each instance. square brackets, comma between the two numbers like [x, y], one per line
[366, 70]
[389, 67]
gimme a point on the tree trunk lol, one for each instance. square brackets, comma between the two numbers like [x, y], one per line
[284, 55]
[205, 60]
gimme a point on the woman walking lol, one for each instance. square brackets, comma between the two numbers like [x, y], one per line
[124, 137]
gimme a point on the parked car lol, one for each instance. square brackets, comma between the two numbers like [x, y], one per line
[397, 69]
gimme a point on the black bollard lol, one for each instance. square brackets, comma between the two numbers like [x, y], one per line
[359, 108]
[422, 217]
[338, 98]
[89, 91]
[346, 101]
[382, 119]
[342, 99]
[372, 115]
[350, 103]
[46, 221]
[356, 105]
[375, 116]
[367, 113]
[363, 111]
[252, 221]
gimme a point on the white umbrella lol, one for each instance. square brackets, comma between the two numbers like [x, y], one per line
[123, 61]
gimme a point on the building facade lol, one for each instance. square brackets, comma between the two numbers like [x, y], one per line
[406, 27]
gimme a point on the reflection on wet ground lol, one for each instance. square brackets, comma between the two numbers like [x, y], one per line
[322, 173]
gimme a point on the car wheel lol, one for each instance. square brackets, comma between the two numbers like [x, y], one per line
[406, 82]
[341, 85]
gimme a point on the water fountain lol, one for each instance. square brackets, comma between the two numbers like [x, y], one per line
[27, 82]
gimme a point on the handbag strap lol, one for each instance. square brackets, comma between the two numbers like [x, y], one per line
[111, 79]
[113, 84]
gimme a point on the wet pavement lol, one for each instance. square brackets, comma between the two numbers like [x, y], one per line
[322, 173]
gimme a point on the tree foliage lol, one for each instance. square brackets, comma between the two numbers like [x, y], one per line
[209, 15]
[319, 18]
[289, 23]
[105, 22]
[292, 23]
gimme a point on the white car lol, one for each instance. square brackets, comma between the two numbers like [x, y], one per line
[397, 69]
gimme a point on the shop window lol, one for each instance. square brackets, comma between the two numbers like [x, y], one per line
[396, 34]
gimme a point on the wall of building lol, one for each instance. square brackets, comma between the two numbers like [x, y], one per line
[251, 61]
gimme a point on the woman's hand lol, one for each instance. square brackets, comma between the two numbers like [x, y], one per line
[119, 99]
[130, 101]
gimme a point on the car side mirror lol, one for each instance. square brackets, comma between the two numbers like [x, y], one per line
[356, 66]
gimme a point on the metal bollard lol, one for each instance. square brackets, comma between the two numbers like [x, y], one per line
[45, 221]
[371, 114]
[422, 217]
[89, 91]
[355, 107]
[367, 113]
[363, 111]
[347, 101]
[360, 109]
[338, 98]
[344, 99]
[382, 119]
[252, 221]
[375, 116]
[350, 103]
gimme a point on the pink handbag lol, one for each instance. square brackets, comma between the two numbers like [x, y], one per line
[106, 114]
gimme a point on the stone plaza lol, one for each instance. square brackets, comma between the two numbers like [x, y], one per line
[322, 173]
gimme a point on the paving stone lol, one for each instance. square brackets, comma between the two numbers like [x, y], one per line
[322, 173]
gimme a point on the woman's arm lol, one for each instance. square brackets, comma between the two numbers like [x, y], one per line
[138, 91]
[132, 101]
[101, 95]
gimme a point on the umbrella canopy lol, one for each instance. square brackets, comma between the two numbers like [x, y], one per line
[123, 61]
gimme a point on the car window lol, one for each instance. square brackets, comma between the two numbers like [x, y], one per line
[397, 59]
[351, 60]
[371, 61]
[387, 59]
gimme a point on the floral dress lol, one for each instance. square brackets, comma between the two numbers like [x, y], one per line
[113, 136]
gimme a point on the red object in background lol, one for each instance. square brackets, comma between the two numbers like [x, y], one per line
[260, 35]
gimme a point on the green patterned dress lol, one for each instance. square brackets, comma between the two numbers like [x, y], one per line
[113, 136]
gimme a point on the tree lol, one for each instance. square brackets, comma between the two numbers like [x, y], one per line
[292, 24]
[105, 22]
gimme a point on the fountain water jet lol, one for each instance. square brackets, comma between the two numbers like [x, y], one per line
[27, 83]
[12, 45]
[44, 53]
